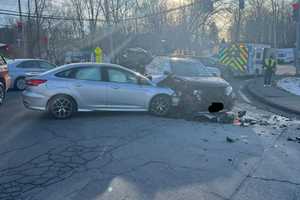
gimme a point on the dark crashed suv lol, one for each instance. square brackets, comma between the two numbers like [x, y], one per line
[198, 89]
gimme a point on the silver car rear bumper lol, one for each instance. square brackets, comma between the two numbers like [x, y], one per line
[34, 101]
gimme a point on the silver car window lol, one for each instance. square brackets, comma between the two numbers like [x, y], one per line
[45, 65]
[82, 73]
[121, 76]
[88, 73]
[28, 64]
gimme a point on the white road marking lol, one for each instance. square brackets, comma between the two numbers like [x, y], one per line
[244, 97]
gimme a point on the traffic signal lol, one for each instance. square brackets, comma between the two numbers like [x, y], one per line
[296, 8]
[242, 4]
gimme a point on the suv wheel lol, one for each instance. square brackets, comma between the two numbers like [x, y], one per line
[2, 93]
[20, 84]
[61, 107]
[160, 105]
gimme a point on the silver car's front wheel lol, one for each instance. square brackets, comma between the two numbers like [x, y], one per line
[61, 107]
[160, 105]
[20, 84]
[2, 94]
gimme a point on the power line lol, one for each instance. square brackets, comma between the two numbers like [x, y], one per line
[23, 14]
[44, 16]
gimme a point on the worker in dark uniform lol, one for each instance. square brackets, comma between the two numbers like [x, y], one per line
[270, 68]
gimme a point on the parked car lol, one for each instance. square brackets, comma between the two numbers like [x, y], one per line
[4, 79]
[285, 56]
[189, 78]
[92, 87]
[19, 69]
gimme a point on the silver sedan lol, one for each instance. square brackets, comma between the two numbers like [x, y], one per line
[92, 87]
[19, 69]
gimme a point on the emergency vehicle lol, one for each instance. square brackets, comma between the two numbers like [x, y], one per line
[243, 58]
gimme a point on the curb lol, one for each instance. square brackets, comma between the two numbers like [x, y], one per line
[270, 103]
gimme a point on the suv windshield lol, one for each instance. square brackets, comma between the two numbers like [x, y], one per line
[189, 69]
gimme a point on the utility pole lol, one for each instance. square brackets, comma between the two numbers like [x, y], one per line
[238, 28]
[38, 28]
[109, 30]
[297, 56]
[296, 9]
[21, 33]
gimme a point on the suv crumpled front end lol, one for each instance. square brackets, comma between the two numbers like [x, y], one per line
[201, 94]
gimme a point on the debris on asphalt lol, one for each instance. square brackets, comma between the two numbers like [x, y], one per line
[283, 126]
[266, 116]
[205, 117]
[296, 139]
[242, 119]
[263, 123]
[227, 118]
[205, 140]
[245, 124]
[237, 122]
[230, 140]
[249, 121]
[224, 118]
[242, 113]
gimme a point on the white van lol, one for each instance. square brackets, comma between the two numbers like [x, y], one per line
[285, 56]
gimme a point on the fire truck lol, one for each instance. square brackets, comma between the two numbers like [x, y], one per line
[243, 59]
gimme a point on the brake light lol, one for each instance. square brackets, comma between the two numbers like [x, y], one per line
[35, 82]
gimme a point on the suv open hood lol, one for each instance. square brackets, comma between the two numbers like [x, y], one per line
[206, 81]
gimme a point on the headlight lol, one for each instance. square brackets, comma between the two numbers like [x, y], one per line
[198, 94]
[228, 91]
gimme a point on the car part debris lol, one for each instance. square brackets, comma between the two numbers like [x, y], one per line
[223, 117]
[230, 140]
[296, 139]
[283, 126]
[242, 113]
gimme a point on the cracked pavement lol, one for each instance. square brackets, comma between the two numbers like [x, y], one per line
[137, 156]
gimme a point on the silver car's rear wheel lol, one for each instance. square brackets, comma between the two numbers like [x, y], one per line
[20, 84]
[160, 105]
[61, 107]
[2, 94]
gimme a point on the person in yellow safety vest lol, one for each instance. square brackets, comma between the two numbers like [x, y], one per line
[270, 68]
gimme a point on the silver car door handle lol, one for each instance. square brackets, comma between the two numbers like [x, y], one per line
[78, 85]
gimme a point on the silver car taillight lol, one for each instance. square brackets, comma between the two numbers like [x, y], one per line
[35, 82]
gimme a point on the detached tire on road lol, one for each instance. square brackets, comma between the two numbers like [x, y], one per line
[2, 93]
[62, 107]
[160, 105]
[20, 84]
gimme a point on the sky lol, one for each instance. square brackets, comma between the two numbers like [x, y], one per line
[9, 5]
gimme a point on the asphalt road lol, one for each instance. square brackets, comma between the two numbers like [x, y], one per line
[135, 156]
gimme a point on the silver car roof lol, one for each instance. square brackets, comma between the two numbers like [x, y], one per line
[74, 65]
[14, 62]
